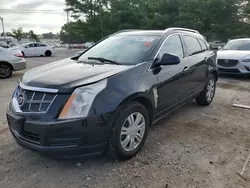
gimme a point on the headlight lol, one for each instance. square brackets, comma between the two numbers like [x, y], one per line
[79, 103]
[246, 60]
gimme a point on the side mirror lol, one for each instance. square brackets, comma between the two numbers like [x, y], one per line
[26, 47]
[220, 47]
[75, 57]
[169, 59]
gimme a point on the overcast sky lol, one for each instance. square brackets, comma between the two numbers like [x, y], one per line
[38, 15]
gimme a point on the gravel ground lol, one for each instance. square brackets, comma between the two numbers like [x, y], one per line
[194, 147]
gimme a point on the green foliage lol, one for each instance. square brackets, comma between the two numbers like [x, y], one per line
[18, 33]
[216, 19]
[33, 36]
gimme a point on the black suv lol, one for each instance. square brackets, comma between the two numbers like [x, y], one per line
[105, 99]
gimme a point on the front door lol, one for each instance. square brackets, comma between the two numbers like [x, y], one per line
[173, 87]
[30, 50]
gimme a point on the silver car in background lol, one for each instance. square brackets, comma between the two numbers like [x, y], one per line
[10, 60]
[234, 57]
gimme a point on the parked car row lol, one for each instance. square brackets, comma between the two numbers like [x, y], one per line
[12, 59]
[34, 49]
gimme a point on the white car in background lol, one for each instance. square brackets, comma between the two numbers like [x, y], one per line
[234, 57]
[10, 60]
[34, 49]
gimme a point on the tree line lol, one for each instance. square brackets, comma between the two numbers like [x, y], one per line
[19, 34]
[216, 19]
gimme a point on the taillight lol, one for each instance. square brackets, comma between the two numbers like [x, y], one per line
[19, 55]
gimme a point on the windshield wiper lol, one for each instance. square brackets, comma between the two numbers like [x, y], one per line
[101, 59]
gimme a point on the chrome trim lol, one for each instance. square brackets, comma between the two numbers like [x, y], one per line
[181, 29]
[19, 111]
[31, 100]
[40, 106]
[39, 89]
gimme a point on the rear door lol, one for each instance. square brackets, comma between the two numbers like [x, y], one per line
[41, 49]
[173, 80]
[197, 56]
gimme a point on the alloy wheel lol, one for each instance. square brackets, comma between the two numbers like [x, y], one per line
[4, 71]
[132, 131]
[210, 90]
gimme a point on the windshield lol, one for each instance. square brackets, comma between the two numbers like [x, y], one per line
[238, 45]
[128, 50]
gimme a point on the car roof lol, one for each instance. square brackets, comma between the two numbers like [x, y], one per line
[158, 32]
[141, 32]
[240, 39]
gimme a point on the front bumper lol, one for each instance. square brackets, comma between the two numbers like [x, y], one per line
[20, 65]
[240, 69]
[61, 139]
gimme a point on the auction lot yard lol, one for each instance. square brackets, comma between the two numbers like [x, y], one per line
[194, 147]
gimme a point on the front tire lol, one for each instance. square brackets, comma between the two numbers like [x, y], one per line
[207, 96]
[48, 53]
[5, 70]
[130, 131]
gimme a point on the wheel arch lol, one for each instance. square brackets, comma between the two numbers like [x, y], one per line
[216, 74]
[5, 62]
[142, 98]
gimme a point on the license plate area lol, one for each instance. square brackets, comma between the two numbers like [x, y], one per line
[15, 123]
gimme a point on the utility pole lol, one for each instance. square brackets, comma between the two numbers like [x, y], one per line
[101, 23]
[67, 4]
[3, 28]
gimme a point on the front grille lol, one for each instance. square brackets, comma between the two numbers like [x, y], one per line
[34, 101]
[229, 70]
[227, 62]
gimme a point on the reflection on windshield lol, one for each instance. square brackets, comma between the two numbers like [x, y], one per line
[129, 50]
[238, 45]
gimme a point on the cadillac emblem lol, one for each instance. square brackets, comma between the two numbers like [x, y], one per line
[21, 98]
[226, 61]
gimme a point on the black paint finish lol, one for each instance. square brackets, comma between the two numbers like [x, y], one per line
[161, 89]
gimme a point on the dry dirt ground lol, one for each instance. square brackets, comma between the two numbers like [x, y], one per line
[203, 147]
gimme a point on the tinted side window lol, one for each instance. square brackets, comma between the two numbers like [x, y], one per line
[193, 46]
[173, 46]
[36, 45]
[30, 45]
[203, 45]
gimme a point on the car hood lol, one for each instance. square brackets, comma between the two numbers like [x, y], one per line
[68, 74]
[232, 54]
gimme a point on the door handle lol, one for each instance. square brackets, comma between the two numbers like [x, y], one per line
[185, 69]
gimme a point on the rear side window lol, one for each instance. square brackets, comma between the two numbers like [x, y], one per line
[193, 46]
[203, 45]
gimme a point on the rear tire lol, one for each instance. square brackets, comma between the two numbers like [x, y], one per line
[207, 95]
[5, 70]
[48, 53]
[130, 131]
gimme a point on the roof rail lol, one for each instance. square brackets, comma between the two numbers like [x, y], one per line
[181, 29]
[126, 30]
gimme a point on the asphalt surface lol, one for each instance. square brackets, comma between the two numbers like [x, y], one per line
[196, 146]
